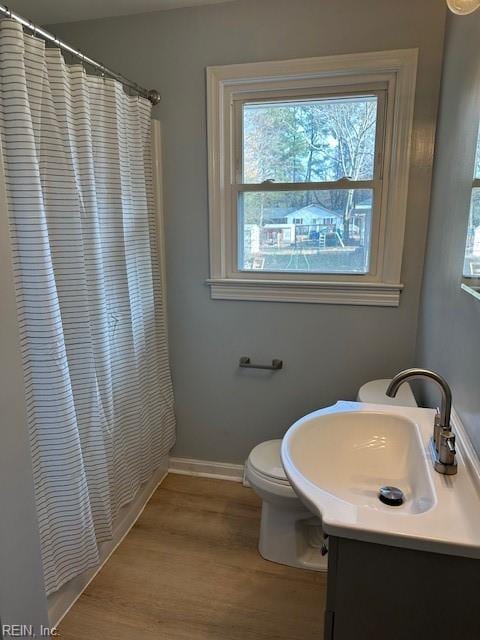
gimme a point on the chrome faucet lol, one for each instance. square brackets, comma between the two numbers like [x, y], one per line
[443, 440]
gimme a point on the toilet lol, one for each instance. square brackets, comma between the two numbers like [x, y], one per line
[289, 533]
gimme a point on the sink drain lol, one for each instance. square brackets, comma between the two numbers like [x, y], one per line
[393, 496]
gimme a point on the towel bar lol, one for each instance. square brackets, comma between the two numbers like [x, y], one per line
[246, 364]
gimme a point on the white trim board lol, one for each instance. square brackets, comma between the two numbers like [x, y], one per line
[353, 293]
[467, 450]
[60, 602]
[207, 469]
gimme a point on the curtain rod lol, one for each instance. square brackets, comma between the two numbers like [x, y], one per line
[150, 94]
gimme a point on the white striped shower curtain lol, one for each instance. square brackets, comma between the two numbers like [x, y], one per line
[78, 176]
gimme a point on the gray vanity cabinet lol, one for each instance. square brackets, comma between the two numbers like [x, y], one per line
[377, 592]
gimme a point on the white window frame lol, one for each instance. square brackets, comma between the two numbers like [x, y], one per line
[471, 284]
[395, 71]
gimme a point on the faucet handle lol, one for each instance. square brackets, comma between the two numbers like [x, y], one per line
[446, 446]
[444, 461]
[450, 442]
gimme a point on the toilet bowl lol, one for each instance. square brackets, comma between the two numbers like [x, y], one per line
[289, 533]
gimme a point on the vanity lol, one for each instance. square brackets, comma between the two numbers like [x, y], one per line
[403, 565]
[380, 592]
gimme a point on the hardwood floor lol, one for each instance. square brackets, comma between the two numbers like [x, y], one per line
[190, 570]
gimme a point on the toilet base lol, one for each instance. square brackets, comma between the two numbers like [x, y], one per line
[291, 536]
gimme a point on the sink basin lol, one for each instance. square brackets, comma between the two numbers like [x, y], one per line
[338, 458]
[351, 455]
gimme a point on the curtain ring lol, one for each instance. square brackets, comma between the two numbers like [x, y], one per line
[103, 71]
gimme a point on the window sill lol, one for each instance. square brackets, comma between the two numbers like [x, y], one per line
[472, 290]
[350, 293]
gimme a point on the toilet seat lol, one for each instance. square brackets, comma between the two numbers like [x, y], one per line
[265, 485]
[265, 461]
[265, 472]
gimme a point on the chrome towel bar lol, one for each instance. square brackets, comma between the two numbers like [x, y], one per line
[246, 364]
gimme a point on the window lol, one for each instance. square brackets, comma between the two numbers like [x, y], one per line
[303, 146]
[471, 266]
[308, 178]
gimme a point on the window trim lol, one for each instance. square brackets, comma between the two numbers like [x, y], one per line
[471, 284]
[396, 69]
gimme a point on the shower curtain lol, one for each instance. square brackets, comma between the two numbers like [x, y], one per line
[78, 176]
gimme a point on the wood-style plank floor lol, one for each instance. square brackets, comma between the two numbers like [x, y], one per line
[190, 570]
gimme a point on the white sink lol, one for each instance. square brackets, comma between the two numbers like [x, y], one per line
[338, 458]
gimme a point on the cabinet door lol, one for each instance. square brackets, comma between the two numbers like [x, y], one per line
[389, 593]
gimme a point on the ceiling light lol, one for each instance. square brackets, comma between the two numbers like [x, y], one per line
[463, 7]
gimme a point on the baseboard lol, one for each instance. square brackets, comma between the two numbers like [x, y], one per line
[60, 602]
[467, 450]
[207, 469]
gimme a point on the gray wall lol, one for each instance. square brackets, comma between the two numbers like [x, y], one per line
[449, 327]
[329, 351]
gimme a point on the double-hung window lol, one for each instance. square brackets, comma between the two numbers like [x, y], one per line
[471, 266]
[308, 178]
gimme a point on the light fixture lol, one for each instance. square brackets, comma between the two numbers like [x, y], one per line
[463, 7]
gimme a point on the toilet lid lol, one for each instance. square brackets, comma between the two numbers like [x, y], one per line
[265, 459]
[374, 392]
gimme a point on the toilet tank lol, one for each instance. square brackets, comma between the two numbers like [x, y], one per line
[374, 392]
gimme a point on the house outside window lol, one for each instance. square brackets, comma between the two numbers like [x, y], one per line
[471, 266]
[311, 157]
